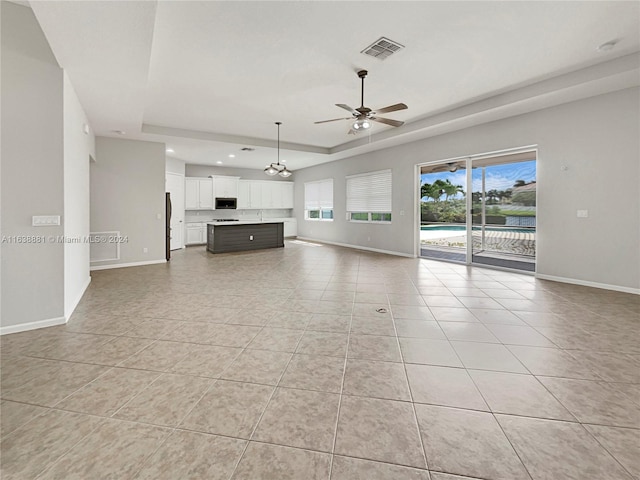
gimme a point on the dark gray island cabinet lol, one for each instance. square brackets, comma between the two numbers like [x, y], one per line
[225, 237]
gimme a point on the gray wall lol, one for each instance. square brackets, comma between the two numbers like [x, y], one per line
[244, 173]
[32, 170]
[128, 195]
[173, 165]
[596, 138]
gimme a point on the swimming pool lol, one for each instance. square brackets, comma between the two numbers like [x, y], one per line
[462, 228]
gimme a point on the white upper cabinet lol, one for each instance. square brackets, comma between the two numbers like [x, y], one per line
[269, 190]
[251, 194]
[255, 194]
[198, 193]
[244, 192]
[225, 187]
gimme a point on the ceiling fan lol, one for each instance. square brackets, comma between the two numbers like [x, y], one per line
[363, 115]
[445, 167]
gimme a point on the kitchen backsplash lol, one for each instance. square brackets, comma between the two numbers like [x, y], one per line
[208, 215]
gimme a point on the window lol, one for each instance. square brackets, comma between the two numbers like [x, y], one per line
[369, 197]
[318, 200]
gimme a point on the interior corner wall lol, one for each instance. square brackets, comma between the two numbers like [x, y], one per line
[595, 138]
[128, 196]
[79, 147]
[32, 174]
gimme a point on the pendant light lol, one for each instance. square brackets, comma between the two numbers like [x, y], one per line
[276, 168]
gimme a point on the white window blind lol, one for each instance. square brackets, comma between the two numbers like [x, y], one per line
[369, 192]
[318, 195]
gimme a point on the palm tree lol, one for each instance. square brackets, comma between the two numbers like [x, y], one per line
[433, 190]
[450, 190]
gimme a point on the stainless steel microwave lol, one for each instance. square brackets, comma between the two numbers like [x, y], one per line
[226, 203]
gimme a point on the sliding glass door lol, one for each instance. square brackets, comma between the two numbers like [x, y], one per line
[443, 211]
[494, 225]
[504, 211]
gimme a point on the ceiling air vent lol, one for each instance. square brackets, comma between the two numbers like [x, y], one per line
[247, 149]
[382, 48]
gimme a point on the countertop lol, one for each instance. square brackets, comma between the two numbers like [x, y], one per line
[245, 222]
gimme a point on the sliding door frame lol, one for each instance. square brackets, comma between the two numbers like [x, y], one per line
[468, 197]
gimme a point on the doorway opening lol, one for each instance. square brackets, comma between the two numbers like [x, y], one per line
[480, 210]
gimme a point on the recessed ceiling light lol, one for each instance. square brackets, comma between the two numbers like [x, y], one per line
[283, 161]
[232, 155]
[219, 162]
[119, 132]
[605, 47]
[170, 150]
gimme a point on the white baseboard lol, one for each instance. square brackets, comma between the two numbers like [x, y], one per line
[23, 327]
[357, 247]
[585, 283]
[122, 265]
[77, 299]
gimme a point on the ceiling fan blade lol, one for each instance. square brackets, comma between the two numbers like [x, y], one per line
[347, 108]
[388, 121]
[392, 108]
[333, 120]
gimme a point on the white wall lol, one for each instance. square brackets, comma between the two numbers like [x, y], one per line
[173, 165]
[32, 173]
[78, 148]
[128, 195]
[596, 138]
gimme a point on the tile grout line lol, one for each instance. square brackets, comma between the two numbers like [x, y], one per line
[413, 405]
[172, 429]
[275, 388]
[344, 373]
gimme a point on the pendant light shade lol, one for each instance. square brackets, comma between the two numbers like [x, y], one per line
[276, 168]
[285, 173]
[271, 170]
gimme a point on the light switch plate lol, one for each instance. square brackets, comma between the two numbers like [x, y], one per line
[45, 220]
[583, 213]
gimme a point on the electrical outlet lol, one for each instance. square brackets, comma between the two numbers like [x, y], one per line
[45, 220]
[145, 250]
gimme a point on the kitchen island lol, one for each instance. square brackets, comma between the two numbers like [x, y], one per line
[237, 236]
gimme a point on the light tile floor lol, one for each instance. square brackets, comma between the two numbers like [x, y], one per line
[281, 364]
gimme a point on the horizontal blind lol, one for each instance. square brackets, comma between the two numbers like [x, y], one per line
[326, 194]
[370, 192]
[318, 195]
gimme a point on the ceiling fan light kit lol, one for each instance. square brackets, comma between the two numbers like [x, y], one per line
[361, 124]
[277, 168]
[364, 115]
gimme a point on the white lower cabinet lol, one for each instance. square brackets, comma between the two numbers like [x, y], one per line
[290, 227]
[196, 233]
